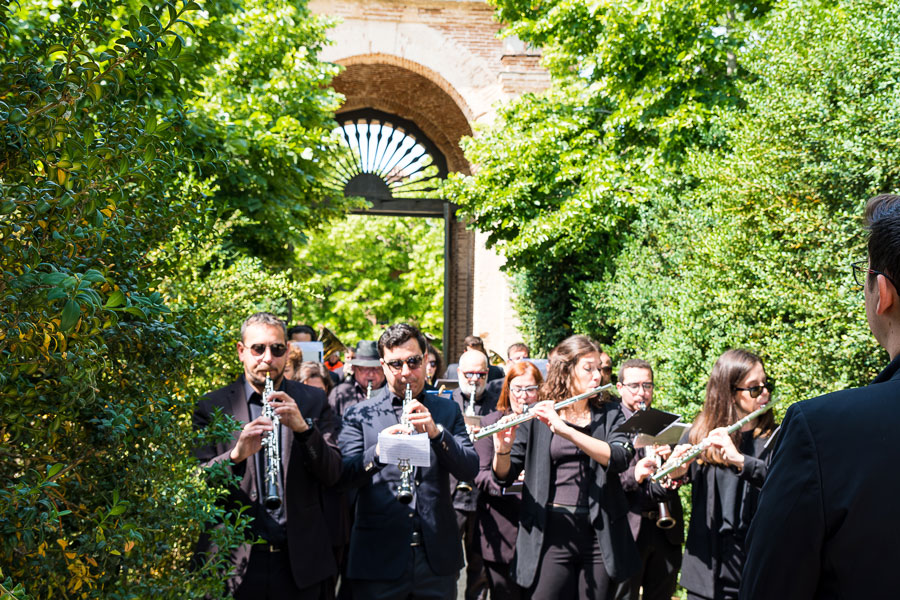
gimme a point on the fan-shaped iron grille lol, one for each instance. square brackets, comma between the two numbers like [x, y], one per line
[389, 158]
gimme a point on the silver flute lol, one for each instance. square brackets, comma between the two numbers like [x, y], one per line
[272, 444]
[528, 414]
[404, 492]
[703, 444]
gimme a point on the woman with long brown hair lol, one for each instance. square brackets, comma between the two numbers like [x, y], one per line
[573, 538]
[727, 476]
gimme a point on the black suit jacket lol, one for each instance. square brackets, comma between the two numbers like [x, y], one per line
[648, 492]
[310, 462]
[824, 528]
[608, 507]
[382, 530]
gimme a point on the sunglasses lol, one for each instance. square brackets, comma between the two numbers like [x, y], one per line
[413, 362]
[474, 374]
[277, 350]
[757, 390]
[528, 389]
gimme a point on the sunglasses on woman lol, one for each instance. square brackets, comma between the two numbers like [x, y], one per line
[756, 390]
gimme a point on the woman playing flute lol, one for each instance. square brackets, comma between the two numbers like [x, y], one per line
[573, 538]
[727, 476]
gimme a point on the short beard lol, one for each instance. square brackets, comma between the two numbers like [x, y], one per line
[467, 389]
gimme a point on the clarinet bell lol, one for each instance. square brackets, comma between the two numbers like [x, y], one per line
[272, 502]
[404, 491]
[665, 520]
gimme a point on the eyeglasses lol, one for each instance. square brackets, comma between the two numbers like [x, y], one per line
[474, 374]
[432, 363]
[861, 272]
[634, 387]
[757, 390]
[527, 389]
[413, 362]
[276, 349]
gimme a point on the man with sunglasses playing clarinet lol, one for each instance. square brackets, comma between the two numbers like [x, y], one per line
[295, 559]
[823, 528]
[405, 550]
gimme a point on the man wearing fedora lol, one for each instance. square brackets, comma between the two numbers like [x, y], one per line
[366, 371]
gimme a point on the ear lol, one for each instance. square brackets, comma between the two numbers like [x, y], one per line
[887, 295]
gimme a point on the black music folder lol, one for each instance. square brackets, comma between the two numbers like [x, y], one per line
[649, 422]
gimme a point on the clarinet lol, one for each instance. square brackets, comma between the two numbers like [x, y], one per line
[369, 390]
[404, 492]
[272, 444]
[466, 486]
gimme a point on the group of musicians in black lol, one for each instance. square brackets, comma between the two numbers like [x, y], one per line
[561, 504]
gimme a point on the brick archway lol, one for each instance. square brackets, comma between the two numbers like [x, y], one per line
[411, 91]
[440, 65]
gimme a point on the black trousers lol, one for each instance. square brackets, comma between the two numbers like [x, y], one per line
[269, 577]
[501, 583]
[660, 562]
[571, 564]
[418, 581]
[476, 578]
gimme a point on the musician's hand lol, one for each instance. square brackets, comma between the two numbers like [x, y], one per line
[544, 411]
[420, 418]
[663, 451]
[250, 440]
[679, 451]
[720, 441]
[288, 412]
[644, 468]
[397, 429]
[503, 439]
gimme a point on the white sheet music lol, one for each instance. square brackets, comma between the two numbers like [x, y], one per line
[416, 447]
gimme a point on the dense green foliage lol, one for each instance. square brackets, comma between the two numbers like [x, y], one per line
[133, 133]
[693, 180]
[353, 276]
[365, 273]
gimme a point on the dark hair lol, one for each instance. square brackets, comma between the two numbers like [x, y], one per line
[883, 222]
[560, 370]
[721, 408]
[262, 318]
[302, 329]
[518, 346]
[311, 369]
[635, 363]
[399, 334]
[473, 341]
[439, 362]
[519, 368]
